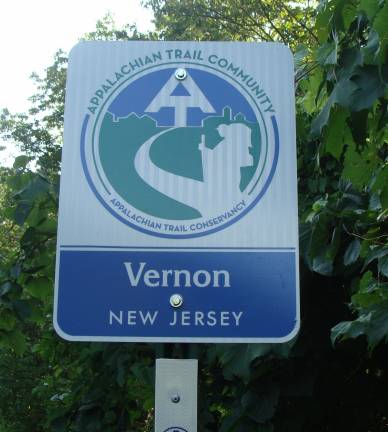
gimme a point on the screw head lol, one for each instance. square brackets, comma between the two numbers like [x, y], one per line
[176, 300]
[175, 398]
[180, 74]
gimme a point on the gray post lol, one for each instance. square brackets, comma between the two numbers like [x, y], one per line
[176, 395]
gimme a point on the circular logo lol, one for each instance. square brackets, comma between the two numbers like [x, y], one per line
[175, 429]
[180, 152]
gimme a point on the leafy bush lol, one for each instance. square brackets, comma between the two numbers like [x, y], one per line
[307, 385]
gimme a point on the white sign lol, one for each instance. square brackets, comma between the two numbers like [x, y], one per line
[178, 203]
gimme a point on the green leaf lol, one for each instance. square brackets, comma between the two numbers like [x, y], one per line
[380, 186]
[335, 131]
[322, 264]
[31, 236]
[344, 91]
[370, 50]
[366, 281]
[22, 309]
[5, 288]
[373, 324]
[230, 421]
[349, 14]
[365, 300]
[22, 211]
[369, 292]
[375, 253]
[352, 252]
[15, 270]
[351, 58]
[36, 216]
[40, 288]
[380, 24]
[374, 202]
[300, 54]
[349, 329]
[319, 204]
[144, 374]
[237, 359]
[14, 340]
[8, 287]
[18, 342]
[21, 161]
[359, 166]
[356, 92]
[324, 17]
[383, 265]
[320, 234]
[374, 294]
[321, 119]
[121, 374]
[327, 54]
[335, 243]
[358, 124]
[370, 7]
[377, 330]
[18, 181]
[49, 226]
[369, 87]
[7, 320]
[312, 87]
[35, 188]
[342, 94]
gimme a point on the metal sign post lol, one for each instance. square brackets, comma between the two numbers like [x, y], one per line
[178, 203]
[176, 395]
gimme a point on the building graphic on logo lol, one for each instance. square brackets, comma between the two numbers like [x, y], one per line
[181, 152]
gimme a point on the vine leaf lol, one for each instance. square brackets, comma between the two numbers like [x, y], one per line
[40, 288]
[383, 265]
[335, 132]
[370, 7]
[380, 25]
[237, 359]
[352, 252]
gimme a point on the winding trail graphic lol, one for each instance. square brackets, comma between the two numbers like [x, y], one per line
[221, 171]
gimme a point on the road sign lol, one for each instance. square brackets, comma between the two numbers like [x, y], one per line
[178, 201]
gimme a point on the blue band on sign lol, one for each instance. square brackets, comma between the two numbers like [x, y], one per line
[129, 293]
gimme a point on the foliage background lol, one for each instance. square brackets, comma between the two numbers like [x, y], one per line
[333, 377]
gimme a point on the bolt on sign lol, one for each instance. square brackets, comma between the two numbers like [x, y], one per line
[178, 201]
